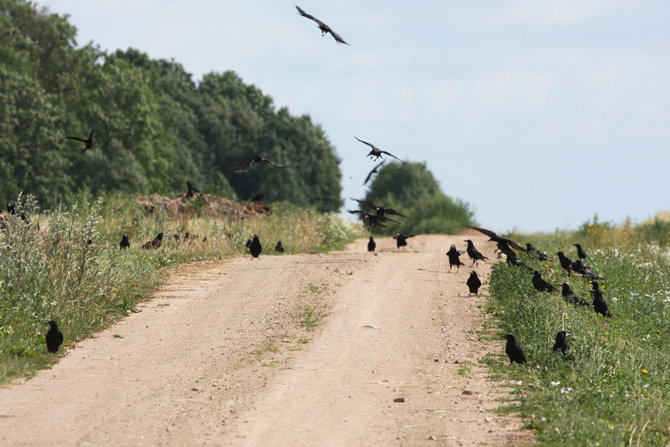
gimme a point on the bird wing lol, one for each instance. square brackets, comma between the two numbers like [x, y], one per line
[309, 16]
[90, 135]
[337, 37]
[391, 155]
[365, 142]
[489, 233]
[76, 138]
[244, 166]
[373, 171]
[366, 203]
[276, 165]
[357, 212]
[394, 212]
[514, 244]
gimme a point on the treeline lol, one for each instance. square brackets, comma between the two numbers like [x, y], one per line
[155, 126]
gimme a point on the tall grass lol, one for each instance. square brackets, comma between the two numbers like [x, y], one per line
[613, 385]
[66, 264]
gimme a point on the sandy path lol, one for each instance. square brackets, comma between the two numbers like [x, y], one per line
[218, 358]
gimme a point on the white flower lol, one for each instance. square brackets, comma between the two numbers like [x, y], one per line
[555, 383]
[520, 382]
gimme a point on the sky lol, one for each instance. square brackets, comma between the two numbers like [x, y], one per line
[538, 114]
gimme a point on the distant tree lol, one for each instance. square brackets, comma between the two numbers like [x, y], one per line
[413, 190]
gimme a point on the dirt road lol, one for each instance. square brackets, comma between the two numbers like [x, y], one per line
[220, 358]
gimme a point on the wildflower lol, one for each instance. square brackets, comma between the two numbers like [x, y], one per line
[611, 427]
[555, 383]
[644, 371]
[520, 382]
[614, 299]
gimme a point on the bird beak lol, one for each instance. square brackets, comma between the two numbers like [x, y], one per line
[568, 335]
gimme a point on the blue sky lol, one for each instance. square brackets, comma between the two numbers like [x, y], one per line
[540, 114]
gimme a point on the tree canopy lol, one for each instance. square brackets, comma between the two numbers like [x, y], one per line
[411, 189]
[155, 127]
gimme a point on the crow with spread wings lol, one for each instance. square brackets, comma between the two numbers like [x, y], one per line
[322, 26]
[379, 210]
[246, 164]
[375, 151]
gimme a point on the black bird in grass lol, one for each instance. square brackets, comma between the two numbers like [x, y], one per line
[255, 246]
[513, 350]
[584, 270]
[374, 171]
[54, 337]
[581, 254]
[125, 243]
[540, 284]
[372, 244]
[322, 26]
[246, 164]
[561, 343]
[474, 254]
[530, 249]
[379, 210]
[155, 243]
[190, 189]
[375, 151]
[513, 259]
[454, 257]
[599, 304]
[566, 263]
[88, 142]
[279, 248]
[501, 241]
[473, 282]
[375, 220]
[571, 297]
[11, 209]
[401, 239]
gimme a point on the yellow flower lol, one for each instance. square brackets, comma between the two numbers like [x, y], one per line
[644, 371]
[611, 427]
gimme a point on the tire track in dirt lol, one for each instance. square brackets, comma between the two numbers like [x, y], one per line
[218, 358]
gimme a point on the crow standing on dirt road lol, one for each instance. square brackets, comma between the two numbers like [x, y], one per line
[322, 26]
[401, 239]
[454, 257]
[54, 337]
[561, 344]
[255, 246]
[125, 243]
[279, 248]
[154, 244]
[372, 244]
[540, 284]
[513, 350]
[473, 282]
[474, 254]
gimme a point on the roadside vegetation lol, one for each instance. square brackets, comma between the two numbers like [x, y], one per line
[66, 264]
[612, 387]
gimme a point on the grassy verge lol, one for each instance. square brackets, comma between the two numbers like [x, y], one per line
[613, 386]
[66, 264]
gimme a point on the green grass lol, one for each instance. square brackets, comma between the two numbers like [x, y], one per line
[612, 388]
[311, 308]
[48, 270]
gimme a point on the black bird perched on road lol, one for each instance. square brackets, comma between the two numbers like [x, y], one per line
[530, 249]
[125, 243]
[190, 189]
[376, 220]
[581, 254]
[566, 263]
[88, 142]
[375, 151]
[374, 171]
[560, 342]
[540, 284]
[473, 282]
[513, 350]
[54, 336]
[322, 26]
[474, 254]
[401, 239]
[372, 244]
[279, 248]
[599, 304]
[454, 257]
[379, 210]
[255, 246]
[571, 297]
[246, 164]
[584, 270]
[155, 243]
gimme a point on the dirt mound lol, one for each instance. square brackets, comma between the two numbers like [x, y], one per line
[201, 203]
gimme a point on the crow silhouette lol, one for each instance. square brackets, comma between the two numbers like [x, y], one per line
[372, 244]
[54, 336]
[474, 254]
[530, 249]
[561, 344]
[571, 297]
[375, 220]
[513, 259]
[322, 26]
[379, 210]
[473, 282]
[155, 243]
[584, 270]
[566, 263]
[599, 304]
[11, 209]
[125, 243]
[255, 246]
[401, 239]
[279, 248]
[504, 245]
[540, 284]
[190, 189]
[513, 350]
[581, 254]
[246, 164]
[454, 257]
[374, 171]
[88, 142]
[375, 151]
